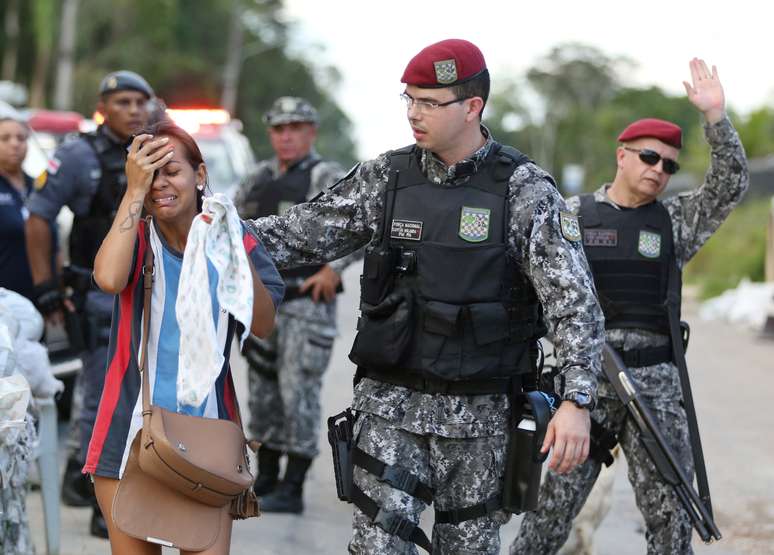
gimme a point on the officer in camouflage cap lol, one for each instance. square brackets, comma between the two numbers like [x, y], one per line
[289, 109]
[466, 250]
[632, 240]
[286, 369]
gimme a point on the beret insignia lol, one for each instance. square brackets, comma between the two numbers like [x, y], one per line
[445, 71]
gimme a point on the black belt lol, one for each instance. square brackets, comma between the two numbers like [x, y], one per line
[637, 358]
[484, 386]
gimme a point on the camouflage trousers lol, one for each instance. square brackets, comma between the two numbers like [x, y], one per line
[668, 526]
[461, 471]
[285, 380]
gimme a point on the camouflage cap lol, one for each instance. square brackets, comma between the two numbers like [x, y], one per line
[287, 109]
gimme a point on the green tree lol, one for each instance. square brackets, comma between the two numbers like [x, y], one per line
[572, 104]
[735, 251]
[181, 47]
[551, 111]
[757, 132]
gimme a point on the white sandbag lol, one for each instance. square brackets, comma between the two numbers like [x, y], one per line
[7, 354]
[14, 400]
[32, 362]
[23, 324]
[747, 305]
[29, 320]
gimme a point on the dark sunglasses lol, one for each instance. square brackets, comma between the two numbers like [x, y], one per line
[651, 158]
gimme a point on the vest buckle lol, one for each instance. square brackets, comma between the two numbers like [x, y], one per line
[407, 261]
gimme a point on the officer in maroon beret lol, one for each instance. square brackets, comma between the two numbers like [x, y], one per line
[637, 246]
[472, 254]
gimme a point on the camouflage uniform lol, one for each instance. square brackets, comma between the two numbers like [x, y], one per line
[455, 442]
[15, 460]
[285, 386]
[695, 217]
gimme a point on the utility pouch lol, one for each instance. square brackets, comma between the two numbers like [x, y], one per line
[384, 331]
[378, 274]
[340, 437]
[524, 462]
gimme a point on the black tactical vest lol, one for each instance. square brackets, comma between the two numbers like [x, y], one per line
[439, 296]
[88, 231]
[270, 196]
[630, 252]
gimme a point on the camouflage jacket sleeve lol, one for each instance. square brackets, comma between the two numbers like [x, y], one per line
[325, 175]
[696, 215]
[560, 274]
[337, 223]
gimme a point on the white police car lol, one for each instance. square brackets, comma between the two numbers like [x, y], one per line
[225, 149]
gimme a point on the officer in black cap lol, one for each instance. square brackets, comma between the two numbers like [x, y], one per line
[87, 175]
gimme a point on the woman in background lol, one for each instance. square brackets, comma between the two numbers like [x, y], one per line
[15, 186]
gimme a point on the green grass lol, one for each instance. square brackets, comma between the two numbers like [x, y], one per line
[736, 250]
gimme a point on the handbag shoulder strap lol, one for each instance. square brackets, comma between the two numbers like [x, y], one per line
[147, 284]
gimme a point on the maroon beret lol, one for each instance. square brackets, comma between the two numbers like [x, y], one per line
[444, 64]
[665, 131]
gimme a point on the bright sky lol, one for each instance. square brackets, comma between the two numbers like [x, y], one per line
[370, 43]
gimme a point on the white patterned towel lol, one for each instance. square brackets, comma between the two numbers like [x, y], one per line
[220, 242]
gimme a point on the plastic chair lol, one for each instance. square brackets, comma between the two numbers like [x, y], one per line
[48, 467]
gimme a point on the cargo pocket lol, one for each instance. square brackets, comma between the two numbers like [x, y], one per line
[441, 348]
[490, 322]
[316, 351]
[378, 276]
[261, 355]
[488, 352]
[384, 331]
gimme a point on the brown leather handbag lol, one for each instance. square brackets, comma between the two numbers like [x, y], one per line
[197, 463]
[147, 509]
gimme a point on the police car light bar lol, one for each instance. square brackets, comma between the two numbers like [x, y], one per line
[191, 119]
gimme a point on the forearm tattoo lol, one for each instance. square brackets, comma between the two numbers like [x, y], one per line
[134, 215]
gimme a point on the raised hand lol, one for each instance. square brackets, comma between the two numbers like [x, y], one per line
[144, 158]
[706, 92]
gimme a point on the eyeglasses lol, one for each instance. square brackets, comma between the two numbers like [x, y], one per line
[651, 158]
[426, 106]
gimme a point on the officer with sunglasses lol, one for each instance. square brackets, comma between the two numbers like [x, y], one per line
[632, 241]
